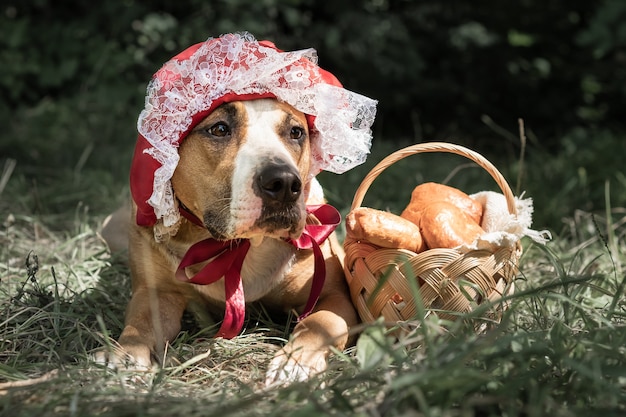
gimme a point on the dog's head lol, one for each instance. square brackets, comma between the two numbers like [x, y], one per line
[244, 170]
[249, 163]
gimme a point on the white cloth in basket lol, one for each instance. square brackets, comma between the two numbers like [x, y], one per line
[503, 229]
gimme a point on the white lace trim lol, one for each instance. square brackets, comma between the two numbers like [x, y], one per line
[237, 63]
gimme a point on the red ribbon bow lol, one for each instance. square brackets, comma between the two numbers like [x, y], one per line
[227, 259]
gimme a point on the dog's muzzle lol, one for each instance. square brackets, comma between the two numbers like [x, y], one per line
[279, 186]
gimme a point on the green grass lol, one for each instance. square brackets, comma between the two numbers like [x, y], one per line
[560, 349]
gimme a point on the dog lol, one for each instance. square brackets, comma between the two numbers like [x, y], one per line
[226, 207]
[243, 171]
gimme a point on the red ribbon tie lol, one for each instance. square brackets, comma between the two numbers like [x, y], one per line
[226, 259]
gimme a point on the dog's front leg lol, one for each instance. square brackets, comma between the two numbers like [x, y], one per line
[152, 319]
[307, 351]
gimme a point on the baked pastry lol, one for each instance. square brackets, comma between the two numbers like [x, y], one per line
[384, 229]
[430, 192]
[444, 225]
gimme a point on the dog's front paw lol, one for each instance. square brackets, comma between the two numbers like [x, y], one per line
[118, 358]
[291, 367]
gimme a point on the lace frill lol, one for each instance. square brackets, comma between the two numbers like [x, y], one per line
[238, 64]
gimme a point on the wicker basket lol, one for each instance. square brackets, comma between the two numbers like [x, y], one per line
[451, 283]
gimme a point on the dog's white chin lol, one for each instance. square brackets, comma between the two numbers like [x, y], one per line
[257, 238]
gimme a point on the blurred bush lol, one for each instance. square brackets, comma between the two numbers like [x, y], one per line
[73, 76]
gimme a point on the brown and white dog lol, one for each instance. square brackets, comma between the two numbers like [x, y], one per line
[231, 138]
[244, 171]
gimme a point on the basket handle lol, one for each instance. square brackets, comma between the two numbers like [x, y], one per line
[435, 147]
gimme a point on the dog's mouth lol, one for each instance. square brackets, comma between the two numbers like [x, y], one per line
[216, 234]
[280, 224]
[283, 224]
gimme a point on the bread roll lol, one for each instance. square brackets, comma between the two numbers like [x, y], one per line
[443, 225]
[430, 192]
[384, 229]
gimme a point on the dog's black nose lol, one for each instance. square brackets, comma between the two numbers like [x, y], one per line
[279, 183]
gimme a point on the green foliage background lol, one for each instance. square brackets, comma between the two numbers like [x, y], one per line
[73, 78]
[72, 82]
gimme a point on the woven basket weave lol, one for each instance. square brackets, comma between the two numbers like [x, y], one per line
[450, 282]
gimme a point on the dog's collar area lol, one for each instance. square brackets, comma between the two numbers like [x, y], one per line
[226, 259]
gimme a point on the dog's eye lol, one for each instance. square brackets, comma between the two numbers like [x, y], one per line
[296, 132]
[219, 130]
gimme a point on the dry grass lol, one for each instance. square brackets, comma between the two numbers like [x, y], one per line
[560, 350]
